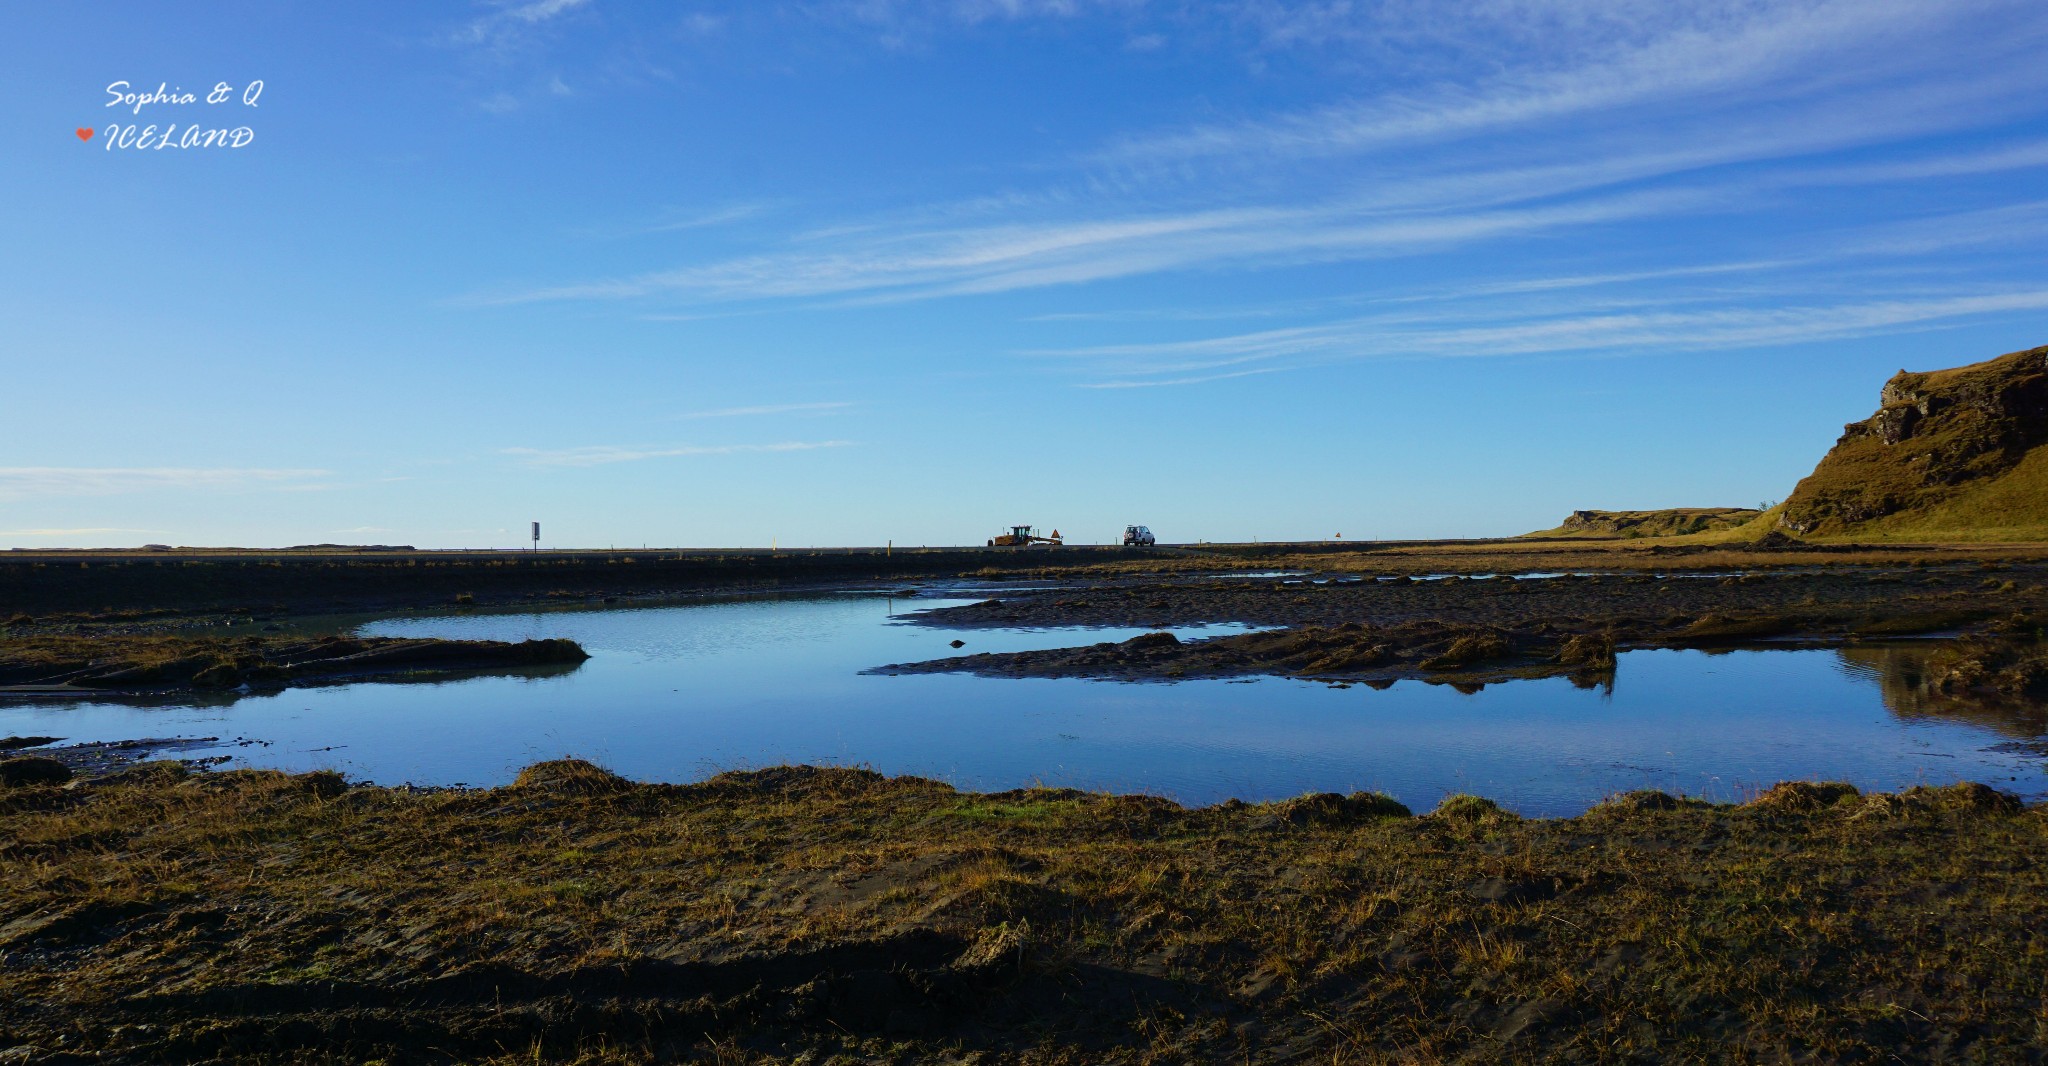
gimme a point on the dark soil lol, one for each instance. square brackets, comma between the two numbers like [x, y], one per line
[802, 915]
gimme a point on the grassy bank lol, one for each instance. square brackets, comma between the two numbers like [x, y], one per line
[835, 915]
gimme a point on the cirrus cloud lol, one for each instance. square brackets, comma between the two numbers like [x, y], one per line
[26, 482]
[602, 454]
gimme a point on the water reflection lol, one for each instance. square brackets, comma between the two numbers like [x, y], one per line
[217, 699]
[1899, 671]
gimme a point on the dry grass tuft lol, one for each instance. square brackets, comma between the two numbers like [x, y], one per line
[1477, 809]
[1640, 801]
[1332, 809]
[571, 777]
[1804, 795]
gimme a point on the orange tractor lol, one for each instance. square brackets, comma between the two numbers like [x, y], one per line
[1022, 537]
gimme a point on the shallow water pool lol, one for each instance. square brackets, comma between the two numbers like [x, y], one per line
[676, 693]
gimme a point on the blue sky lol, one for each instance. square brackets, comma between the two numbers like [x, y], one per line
[913, 270]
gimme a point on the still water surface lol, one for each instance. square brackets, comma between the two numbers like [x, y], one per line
[681, 692]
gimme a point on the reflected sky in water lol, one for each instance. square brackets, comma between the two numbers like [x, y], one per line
[678, 693]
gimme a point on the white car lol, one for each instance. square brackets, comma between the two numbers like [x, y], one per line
[1138, 537]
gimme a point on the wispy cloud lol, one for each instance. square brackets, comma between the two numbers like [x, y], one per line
[953, 262]
[601, 454]
[1197, 380]
[1450, 196]
[900, 24]
[505, 19]
[718, 216]
[1681, 63]
[539, 10]
[25, 482]
[93, 531]
[511, 36]
[676, 220]
[1477, 332]
[2023, 156]
[1503, 131]
[766, 409]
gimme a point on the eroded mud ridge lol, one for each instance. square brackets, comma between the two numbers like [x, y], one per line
[52, 664]
[837, 916]
[1348, 652]
[1473, 630]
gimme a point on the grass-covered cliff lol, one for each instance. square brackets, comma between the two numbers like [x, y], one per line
[1949, 455]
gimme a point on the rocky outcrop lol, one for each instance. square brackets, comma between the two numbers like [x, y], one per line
[1935, 437]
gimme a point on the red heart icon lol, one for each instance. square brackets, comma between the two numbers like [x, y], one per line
[85, 135]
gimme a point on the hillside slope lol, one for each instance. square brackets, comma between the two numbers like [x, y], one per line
[1669, 522]
[1950, 455]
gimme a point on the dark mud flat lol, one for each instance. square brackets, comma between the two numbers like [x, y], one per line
[1467, 631]
[1465, 656]
[1846, 597]
[41, 666]
[804, 915]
